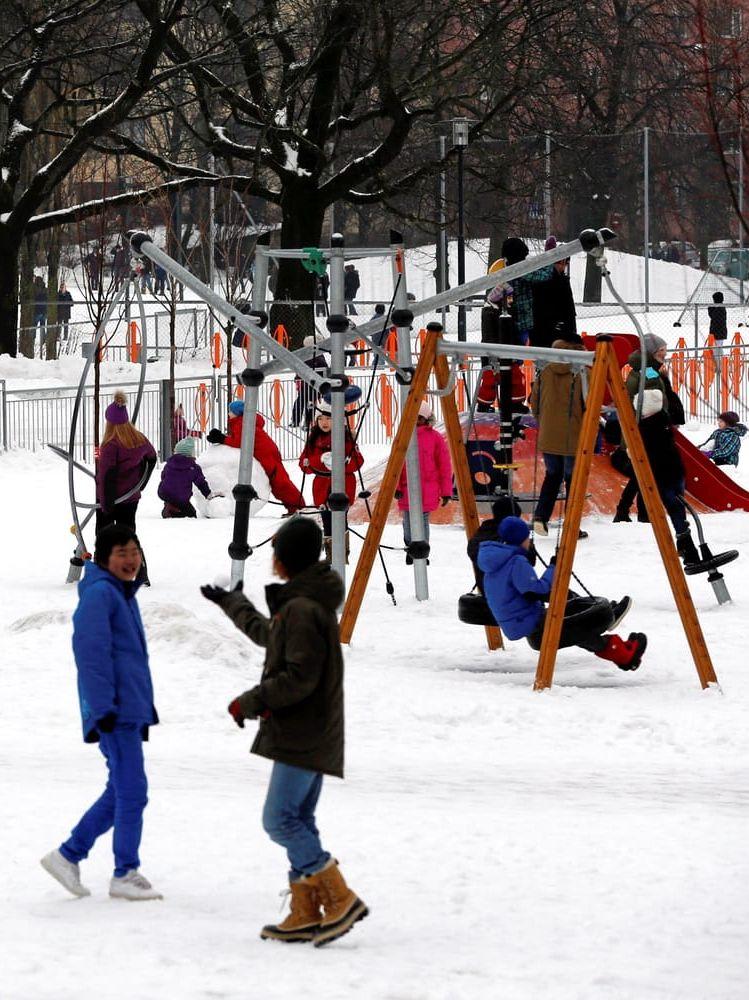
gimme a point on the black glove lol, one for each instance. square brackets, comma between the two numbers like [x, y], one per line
[107, 722]
[553, 560]
[215, 436]
[217, 594]
[398, 494]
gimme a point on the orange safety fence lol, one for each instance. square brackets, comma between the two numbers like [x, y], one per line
[460, 395]
[708, 367]
[385, 399]
[246, 340]
[281, 335]
[133, 342]
[202, 406]
[391, 344]
[277, 402]
[360, 359]
[238, 391]
[217, 350]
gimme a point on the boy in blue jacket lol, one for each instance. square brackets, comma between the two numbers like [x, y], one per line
[116, 699]
[516, 594]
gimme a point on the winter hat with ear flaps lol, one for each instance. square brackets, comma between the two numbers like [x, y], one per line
[116, 412]
[323, 407]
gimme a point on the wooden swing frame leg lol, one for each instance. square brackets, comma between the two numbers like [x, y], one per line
[606, 372]
[429, 361]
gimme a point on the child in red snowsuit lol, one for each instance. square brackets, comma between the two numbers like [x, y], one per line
[265, 451]
[316, 461]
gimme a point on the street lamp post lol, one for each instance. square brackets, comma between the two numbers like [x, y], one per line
[460, 141]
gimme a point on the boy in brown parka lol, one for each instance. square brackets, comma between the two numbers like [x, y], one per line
[557, 403]
[299, 702]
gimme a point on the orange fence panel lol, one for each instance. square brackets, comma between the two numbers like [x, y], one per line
[133, 342]
[281, 335]
[385, 398]
[201, 406]
[217, 350]
[277, 402]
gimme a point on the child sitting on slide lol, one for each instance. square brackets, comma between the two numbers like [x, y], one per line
[727, 440]
[516, 597]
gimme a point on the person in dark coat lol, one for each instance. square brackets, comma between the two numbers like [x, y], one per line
[125, 457]
[553, 305]
[516, 597]
[116, 700]
[661, 411]
[299, 702]
[351, 282]
[718, 323]
[92, 262]
[322, 284]
[40, 306]
[180, 473]
[64, 309]
[160, 275]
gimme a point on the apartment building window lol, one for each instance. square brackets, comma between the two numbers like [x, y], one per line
[729, 23]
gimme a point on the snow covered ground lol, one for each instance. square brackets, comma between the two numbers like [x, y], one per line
[588, 843]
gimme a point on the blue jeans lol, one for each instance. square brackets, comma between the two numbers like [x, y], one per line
[121, 805]
[289, 817]
[407, 527]
[558, 468]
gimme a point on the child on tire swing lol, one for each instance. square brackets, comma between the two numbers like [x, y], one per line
[516, 594]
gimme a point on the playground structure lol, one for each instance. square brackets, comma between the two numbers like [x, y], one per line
[606, 375]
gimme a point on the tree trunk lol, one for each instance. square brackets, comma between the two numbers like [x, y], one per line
[8, 293]
[27, 332]
[303, 215]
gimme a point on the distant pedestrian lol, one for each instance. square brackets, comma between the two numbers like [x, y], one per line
[64, 308]
[92, 263]
[146, 276]
[718, 323]
[160, 275]
[40, 307]
[553, 305]
[351, 283]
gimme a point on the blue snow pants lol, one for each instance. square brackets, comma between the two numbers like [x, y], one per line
[120, 806]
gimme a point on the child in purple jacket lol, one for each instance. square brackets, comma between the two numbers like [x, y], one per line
[180, 474]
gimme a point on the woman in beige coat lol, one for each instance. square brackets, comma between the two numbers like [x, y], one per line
[557, 404]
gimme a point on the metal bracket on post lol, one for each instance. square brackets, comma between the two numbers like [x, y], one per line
[402, 318]
[337, 325]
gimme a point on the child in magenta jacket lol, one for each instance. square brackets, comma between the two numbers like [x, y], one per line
[436, 475]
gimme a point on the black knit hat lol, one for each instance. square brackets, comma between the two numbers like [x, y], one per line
[108, 538]
[297, 544]
[717, 296]
[514, 250]
[505, 506]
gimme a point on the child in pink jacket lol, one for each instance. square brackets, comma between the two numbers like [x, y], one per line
[436, 475]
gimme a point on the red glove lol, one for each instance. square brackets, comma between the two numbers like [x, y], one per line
[235, 711]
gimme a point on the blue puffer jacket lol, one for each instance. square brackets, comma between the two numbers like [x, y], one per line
[509, 585]
[109, 646]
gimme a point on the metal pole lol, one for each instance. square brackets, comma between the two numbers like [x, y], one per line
[646, 210]
[741, 214]
[402, 318]
[5, 414]
[244, 492]
[211, 227]
[443, 265]
[461, 246]
[547, 185]
[337, 324]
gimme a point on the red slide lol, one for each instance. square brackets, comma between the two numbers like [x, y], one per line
[706, 483]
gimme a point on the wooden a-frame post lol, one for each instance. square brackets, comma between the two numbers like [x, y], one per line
[429, 361]
[605, 372]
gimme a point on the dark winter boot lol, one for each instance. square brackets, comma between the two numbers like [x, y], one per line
[622, 515]
[620, 609]
[626, 655]
[303, 921]
[686, 548]
[341, 905]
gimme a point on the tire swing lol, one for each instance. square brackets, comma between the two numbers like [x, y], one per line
[473, 609]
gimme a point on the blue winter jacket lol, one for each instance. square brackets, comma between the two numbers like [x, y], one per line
[510, 583]
[109, 646]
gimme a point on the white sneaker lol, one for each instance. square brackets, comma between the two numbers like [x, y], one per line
[66, 873]
[541, 528]
[132, 886]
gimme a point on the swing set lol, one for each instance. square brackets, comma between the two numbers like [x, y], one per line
[605, 372]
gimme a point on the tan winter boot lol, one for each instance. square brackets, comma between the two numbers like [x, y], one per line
[328, 544]
[342, 906]
[304, 919]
